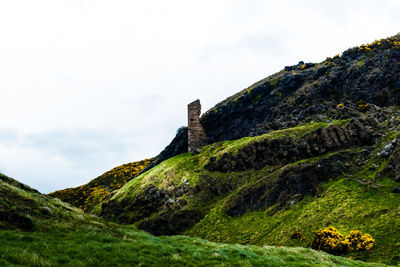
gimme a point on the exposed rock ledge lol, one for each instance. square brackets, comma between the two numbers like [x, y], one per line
[284, 150]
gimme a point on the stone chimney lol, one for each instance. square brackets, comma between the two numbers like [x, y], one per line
[196, 134]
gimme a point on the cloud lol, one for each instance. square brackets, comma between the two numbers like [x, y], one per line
[88, 85]
[60, 159]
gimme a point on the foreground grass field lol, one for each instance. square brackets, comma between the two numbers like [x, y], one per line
[128, 247]
[37, 230]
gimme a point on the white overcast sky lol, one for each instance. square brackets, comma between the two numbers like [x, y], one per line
[89, 85]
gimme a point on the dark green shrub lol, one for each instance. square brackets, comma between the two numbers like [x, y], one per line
[298, 235]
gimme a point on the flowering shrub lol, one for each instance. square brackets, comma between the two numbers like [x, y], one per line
[357, 241]
[329, 239]
[340, 105]
[87, 196]
[391, 42]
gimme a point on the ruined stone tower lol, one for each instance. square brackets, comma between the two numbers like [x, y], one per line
[196, 134]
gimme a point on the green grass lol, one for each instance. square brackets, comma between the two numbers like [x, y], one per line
[174, 171]
[92, 248]
[190, 167]
[343, 202]
[68, 237]
[233, 146]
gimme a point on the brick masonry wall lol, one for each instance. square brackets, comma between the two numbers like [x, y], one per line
[196, 134]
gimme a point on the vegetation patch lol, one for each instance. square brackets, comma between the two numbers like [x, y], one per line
[347, 187]
[90, 195]
[329, 239]
[64, 236]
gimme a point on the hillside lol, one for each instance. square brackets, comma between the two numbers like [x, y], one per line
[311, 146]
[303, 93]
[37, 230]
[89, 196]
[244, 192]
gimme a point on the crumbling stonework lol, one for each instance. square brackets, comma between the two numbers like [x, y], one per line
[196, 134]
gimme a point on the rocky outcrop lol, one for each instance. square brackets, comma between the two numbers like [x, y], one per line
[145, 203]
[141, 206]
[210, 187]
[171, 223]
[285, 150]
[394, 165]
[172, 209]
[291, 185]
[392, 150]
[302, 93]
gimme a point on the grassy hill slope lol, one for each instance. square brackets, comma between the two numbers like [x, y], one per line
[88, 196]
[223, 194]
[47, 232]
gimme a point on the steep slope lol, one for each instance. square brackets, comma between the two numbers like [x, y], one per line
[48, 232]
[260, 190]
[306, 146]
[89, 196]
[304, 92]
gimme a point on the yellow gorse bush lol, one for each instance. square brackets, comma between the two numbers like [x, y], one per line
[87, 196]
[362, 107]
[329, 239]
[392, 42]
[356, 240]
